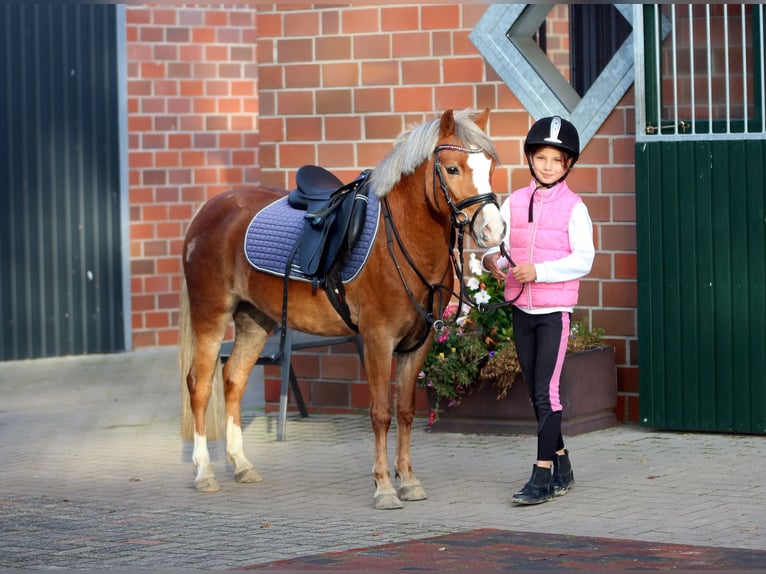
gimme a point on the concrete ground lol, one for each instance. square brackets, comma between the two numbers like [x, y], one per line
[96, 477]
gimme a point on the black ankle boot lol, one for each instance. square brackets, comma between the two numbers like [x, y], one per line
[538, 489]
[563, 475]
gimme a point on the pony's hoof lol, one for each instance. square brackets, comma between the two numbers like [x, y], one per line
[247, 476]
[412, 492]
[209, 484]
[387, 502]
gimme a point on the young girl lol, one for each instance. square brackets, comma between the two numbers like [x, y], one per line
[550, 243]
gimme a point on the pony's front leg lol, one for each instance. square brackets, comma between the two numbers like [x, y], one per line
[410, 488]
[385, 496]
[378, 374]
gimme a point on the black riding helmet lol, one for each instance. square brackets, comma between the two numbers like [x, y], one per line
[555, 132]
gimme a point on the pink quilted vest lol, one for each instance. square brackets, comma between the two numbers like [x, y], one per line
[546, 238]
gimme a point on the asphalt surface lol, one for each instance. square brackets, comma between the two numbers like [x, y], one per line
[95, 476]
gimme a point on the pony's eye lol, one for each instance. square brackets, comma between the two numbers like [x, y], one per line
[453, 170]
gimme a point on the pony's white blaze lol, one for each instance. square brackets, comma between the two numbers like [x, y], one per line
[489, 228]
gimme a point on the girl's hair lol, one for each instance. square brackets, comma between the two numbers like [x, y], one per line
[566, 157]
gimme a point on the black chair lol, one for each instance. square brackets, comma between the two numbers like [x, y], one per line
[294, 341]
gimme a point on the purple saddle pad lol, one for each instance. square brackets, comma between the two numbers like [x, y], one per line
[272, 234]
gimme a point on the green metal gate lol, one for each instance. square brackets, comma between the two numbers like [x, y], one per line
[701, 217]
[61, 264]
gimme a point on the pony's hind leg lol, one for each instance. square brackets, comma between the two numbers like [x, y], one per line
[250, 336]
[201, 380]
[200, 369]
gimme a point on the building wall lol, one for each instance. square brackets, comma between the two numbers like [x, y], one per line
[227, 97]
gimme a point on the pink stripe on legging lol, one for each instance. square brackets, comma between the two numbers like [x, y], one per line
[553, 389]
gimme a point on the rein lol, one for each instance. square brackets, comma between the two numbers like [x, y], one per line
[459, 220]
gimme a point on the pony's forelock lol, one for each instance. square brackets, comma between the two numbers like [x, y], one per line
[415, 145]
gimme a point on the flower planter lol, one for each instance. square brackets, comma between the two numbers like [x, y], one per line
[588, 395]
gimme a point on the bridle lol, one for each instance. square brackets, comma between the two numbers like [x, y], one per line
[459, 220]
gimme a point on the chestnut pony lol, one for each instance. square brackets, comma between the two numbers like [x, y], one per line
[434, 184]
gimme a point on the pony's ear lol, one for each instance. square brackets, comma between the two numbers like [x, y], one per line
[482, 119]
[447, 124]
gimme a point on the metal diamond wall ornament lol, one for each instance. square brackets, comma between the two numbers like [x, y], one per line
[504, 36]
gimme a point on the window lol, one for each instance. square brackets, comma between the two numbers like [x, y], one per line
[556, 61]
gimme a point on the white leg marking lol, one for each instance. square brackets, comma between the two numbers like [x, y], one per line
[201, 458]
[235, 449]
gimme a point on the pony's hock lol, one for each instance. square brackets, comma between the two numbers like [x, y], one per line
[431, 188]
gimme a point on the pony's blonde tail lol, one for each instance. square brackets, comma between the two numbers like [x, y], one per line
[216, 410]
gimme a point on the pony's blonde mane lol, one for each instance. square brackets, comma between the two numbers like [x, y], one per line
[416, 144]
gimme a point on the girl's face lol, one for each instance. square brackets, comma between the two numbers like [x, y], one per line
[549, 164]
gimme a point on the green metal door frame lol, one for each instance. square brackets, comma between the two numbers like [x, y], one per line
[701, 227]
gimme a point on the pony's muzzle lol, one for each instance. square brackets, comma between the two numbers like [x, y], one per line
[489, 228]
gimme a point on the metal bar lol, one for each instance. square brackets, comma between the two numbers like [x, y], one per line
[658, 62]
[744, 70]
[709, 71]
[675, 66]
[692, 71]
[763, 70]
[640, 82]
[726, 66]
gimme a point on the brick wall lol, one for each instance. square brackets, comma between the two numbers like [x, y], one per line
[335, 85]
[192, 120]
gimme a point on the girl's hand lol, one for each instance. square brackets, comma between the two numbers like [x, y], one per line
[524, 272]
[490, 264]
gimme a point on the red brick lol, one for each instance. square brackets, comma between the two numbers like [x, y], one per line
[152, 70]
[375, 46]
[441, 17]
[454, 96]
[410, 45]
[371, 154]
[216, 17]
[375, 100]
[242, 122]
[385, 127]
[618, 237]
[408, 99]
[333, 101]
[306, 129]
[399, 18]
[342, 128]
[421, 72]
[203, 35]
[335, 154]
[331, 48]
[302, 76]
[301, 24]
[177, 35]
[296, 155]
[360, 21]
[463, 70]
[296, 50]
[295, 102]
[327, 393]
[619, 294]
[381, 73]
[342, 74]
[625, 266]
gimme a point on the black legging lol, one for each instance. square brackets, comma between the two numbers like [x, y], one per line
[541, 345]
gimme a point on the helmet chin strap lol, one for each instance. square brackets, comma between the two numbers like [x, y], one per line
[540, 184]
